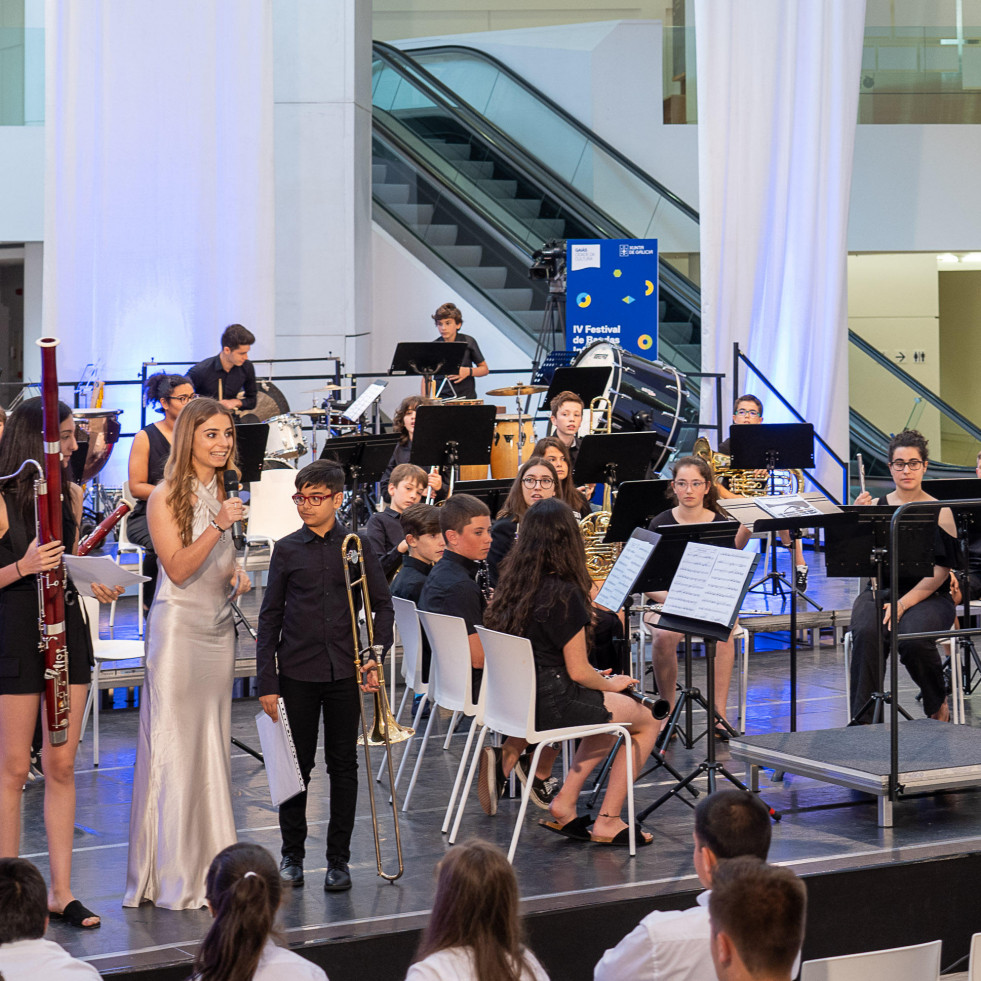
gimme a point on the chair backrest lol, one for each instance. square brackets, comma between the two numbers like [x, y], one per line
[509, 683]
[974, 962]
[411, 633]
[917, 963]
[122, 538]
[450, 680]
[271, 512]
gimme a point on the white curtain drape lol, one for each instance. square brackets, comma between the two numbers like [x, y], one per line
[778, 84]
[159, 184]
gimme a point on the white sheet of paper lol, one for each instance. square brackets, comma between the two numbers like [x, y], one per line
[709, 583]
[279, 754]
[87, 569]
[784, 506]
[624, 573]
[357, 408]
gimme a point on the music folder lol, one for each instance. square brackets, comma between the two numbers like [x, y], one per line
[279, 754]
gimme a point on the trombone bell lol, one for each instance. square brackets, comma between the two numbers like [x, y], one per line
[385, 730]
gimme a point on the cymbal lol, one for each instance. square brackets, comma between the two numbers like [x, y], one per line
[311, 412]
[519, 390]
[326, 388]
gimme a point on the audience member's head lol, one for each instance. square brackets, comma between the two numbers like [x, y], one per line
[23, 901]
[757, 916]
[729, 824]
[243, 890]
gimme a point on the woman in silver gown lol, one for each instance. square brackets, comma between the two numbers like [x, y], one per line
[182, 810]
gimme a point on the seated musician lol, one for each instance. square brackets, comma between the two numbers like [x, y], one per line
[404, 423]
[544, 595]
[748, 411]
[974, 562]
[229, 376]
[698, 503]
[449, 320]
[384, 530]
[451, 588]
[566, 419]
[557, 453]
[924, 604]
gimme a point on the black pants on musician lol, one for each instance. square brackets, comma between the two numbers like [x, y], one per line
[339, 704]
[920, 657]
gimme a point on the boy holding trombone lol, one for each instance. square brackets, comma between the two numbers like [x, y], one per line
[304, 655]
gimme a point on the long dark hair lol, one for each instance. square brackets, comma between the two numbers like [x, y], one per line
[23, 440]
[244, 891]
[476, 906]
[514, 504]
[550, 543]
[407, 405]
[567, 490]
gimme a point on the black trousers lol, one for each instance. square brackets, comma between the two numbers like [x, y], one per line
[338, 702]
[920, 657]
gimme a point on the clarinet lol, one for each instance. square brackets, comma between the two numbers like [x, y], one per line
[51, 584]
[660, 708]
[483, 580]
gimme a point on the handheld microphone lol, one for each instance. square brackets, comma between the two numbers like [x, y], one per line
[232, 490]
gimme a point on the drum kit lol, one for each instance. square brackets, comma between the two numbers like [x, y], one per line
[287, 443]
[514, 434]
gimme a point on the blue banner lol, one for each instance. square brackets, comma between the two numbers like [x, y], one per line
[611, 294]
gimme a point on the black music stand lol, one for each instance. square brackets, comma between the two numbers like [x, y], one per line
[250, 440]
[588, 383]
[452, 436]
[612, 458]
[773, 446]
[967, 521]
[857, 545]
[364, 458]
[637, 502]
[492, 492]
[428, 358]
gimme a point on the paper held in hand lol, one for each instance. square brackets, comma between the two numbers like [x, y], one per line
[87, 569]
[279, 756]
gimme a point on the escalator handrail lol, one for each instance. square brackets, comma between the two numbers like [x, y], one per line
[930, 396]
[669, 195]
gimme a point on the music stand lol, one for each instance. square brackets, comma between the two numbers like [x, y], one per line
[364, 458]
[492, 492]
[428, 358]
[773, 446]
[452, 436]
[637, 502]
[857, 545]
[612, 458]
[250, 441]
[588, 383]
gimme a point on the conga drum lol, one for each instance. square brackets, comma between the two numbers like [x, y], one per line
[506, 455]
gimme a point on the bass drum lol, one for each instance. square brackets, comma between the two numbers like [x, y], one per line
[646, 395]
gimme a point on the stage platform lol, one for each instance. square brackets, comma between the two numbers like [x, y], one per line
[868, 886]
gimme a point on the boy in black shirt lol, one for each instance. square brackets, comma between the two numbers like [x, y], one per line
[304, 655]
[384, 530]
[449, 320]
[420, 526]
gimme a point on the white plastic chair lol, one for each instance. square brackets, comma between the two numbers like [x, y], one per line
[125, 547]
[974, 962]
[410, 631]
[123, 654]
[917, 963]
[272, 514]
[508, 692]
[450, 687]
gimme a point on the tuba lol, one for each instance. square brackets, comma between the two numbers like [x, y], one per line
[748, 483]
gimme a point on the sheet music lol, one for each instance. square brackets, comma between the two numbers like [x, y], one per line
[357, 408]
[620, 582]
[279, 755]
[784, 506]
[87, 569]
[709, 583]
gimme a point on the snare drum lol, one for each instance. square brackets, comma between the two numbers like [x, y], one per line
[285, 440]
[505, 450]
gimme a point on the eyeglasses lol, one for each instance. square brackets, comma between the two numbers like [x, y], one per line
[531, 482]
[183, 399]
[315, 499]
[693, 484]
[912, 465]
[752, 413]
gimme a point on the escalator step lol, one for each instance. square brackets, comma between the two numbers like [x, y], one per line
[413, 214]
[532, 319]
[451, 151]
[517, 299]
[437, 235]
[391, 193]
[477, 169]
[378, 172]
[461, 255]
[523, 207]
[499, 189]
[489, 277]
[547, 228]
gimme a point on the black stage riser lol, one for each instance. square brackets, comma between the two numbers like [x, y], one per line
[848, 912]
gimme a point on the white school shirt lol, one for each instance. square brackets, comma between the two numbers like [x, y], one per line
[456, 964]
[31, 960]
[280, 964]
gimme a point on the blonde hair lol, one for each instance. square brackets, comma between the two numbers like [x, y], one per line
[179, 472]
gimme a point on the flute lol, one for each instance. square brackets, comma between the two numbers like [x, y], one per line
[861, 471]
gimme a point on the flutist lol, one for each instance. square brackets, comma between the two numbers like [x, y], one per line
[304, 656]
[21, 662]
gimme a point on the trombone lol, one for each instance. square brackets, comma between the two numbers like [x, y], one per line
[385, 729]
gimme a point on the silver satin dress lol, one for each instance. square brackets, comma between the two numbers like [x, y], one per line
[182, 807]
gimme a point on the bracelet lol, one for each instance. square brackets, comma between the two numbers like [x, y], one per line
[17, 567]
[218, 528]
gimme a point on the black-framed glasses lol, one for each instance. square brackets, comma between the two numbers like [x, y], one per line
[315, 499]
[911, 465]
[752, 413]
[183, 399]
[532, 482]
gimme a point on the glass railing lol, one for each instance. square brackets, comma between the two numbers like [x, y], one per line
[21, 76]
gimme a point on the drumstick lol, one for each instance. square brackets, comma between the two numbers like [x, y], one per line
[861, 471]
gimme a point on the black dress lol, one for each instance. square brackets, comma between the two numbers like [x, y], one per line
[21, 661]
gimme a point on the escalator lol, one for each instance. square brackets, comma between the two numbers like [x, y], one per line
[474, 170]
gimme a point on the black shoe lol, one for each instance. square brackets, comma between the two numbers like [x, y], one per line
[291, 871]
[542, 791]
[800, 578]
[490, 779]
[338, 877]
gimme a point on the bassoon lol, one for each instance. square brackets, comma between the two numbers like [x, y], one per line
[101, 531]
[51, 584]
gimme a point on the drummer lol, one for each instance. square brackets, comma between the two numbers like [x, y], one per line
[229, 376]
[449, 320]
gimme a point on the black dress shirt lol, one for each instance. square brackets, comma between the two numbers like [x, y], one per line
[384, 534]
[504, 533]
[465, 389]
[206, 374]
[305, 619]
[409, 582]
[451, 588]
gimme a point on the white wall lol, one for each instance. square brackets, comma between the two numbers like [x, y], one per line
[22, 186]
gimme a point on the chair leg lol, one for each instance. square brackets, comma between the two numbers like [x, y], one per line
[847, 646]
[85, 713]
[628, 748]
[422, 750]
[743, 681]
[384, 760]
[459, 776]
[474, 761]
[452, 728]
[405, 755]
[525, 794]
[95, 714]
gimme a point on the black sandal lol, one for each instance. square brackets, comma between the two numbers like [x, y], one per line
[577, 829]
[75, 914]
